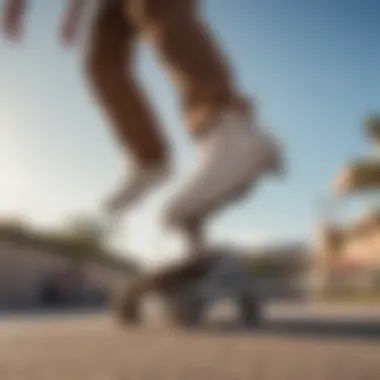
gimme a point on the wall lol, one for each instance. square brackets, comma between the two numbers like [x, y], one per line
[23, 269]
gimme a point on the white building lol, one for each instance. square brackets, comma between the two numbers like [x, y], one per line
[26, 274]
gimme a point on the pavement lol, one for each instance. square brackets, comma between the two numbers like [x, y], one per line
[296, 342]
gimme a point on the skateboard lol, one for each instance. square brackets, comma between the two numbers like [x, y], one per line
[191, 288]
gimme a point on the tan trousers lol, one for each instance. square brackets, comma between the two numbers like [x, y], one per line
[189, 54]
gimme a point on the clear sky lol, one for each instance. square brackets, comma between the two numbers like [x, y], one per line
[313, 66]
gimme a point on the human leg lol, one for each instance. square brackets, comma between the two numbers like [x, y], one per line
[110, 74]
[234, 152]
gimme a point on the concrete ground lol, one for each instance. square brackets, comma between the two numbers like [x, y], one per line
[317, 342]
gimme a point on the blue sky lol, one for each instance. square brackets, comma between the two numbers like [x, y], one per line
[312, 65]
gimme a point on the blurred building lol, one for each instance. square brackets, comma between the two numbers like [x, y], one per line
[348, 254]
[36, 277]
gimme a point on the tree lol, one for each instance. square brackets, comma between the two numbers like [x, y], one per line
[372, 128]
[81, 238]
[85, 230]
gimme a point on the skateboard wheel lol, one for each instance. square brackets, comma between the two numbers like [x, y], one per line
[250, 311]
[186, 313]
[127, 309]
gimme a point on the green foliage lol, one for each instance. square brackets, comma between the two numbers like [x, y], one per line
[86, 231]
[363, 175]
[372, 128]
[82, 239]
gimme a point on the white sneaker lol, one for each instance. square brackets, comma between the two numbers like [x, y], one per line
[137, 185]
[233, 157]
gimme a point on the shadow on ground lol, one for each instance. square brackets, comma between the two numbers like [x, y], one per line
[356, 330]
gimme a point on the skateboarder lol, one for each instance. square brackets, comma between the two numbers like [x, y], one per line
[234, 153]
